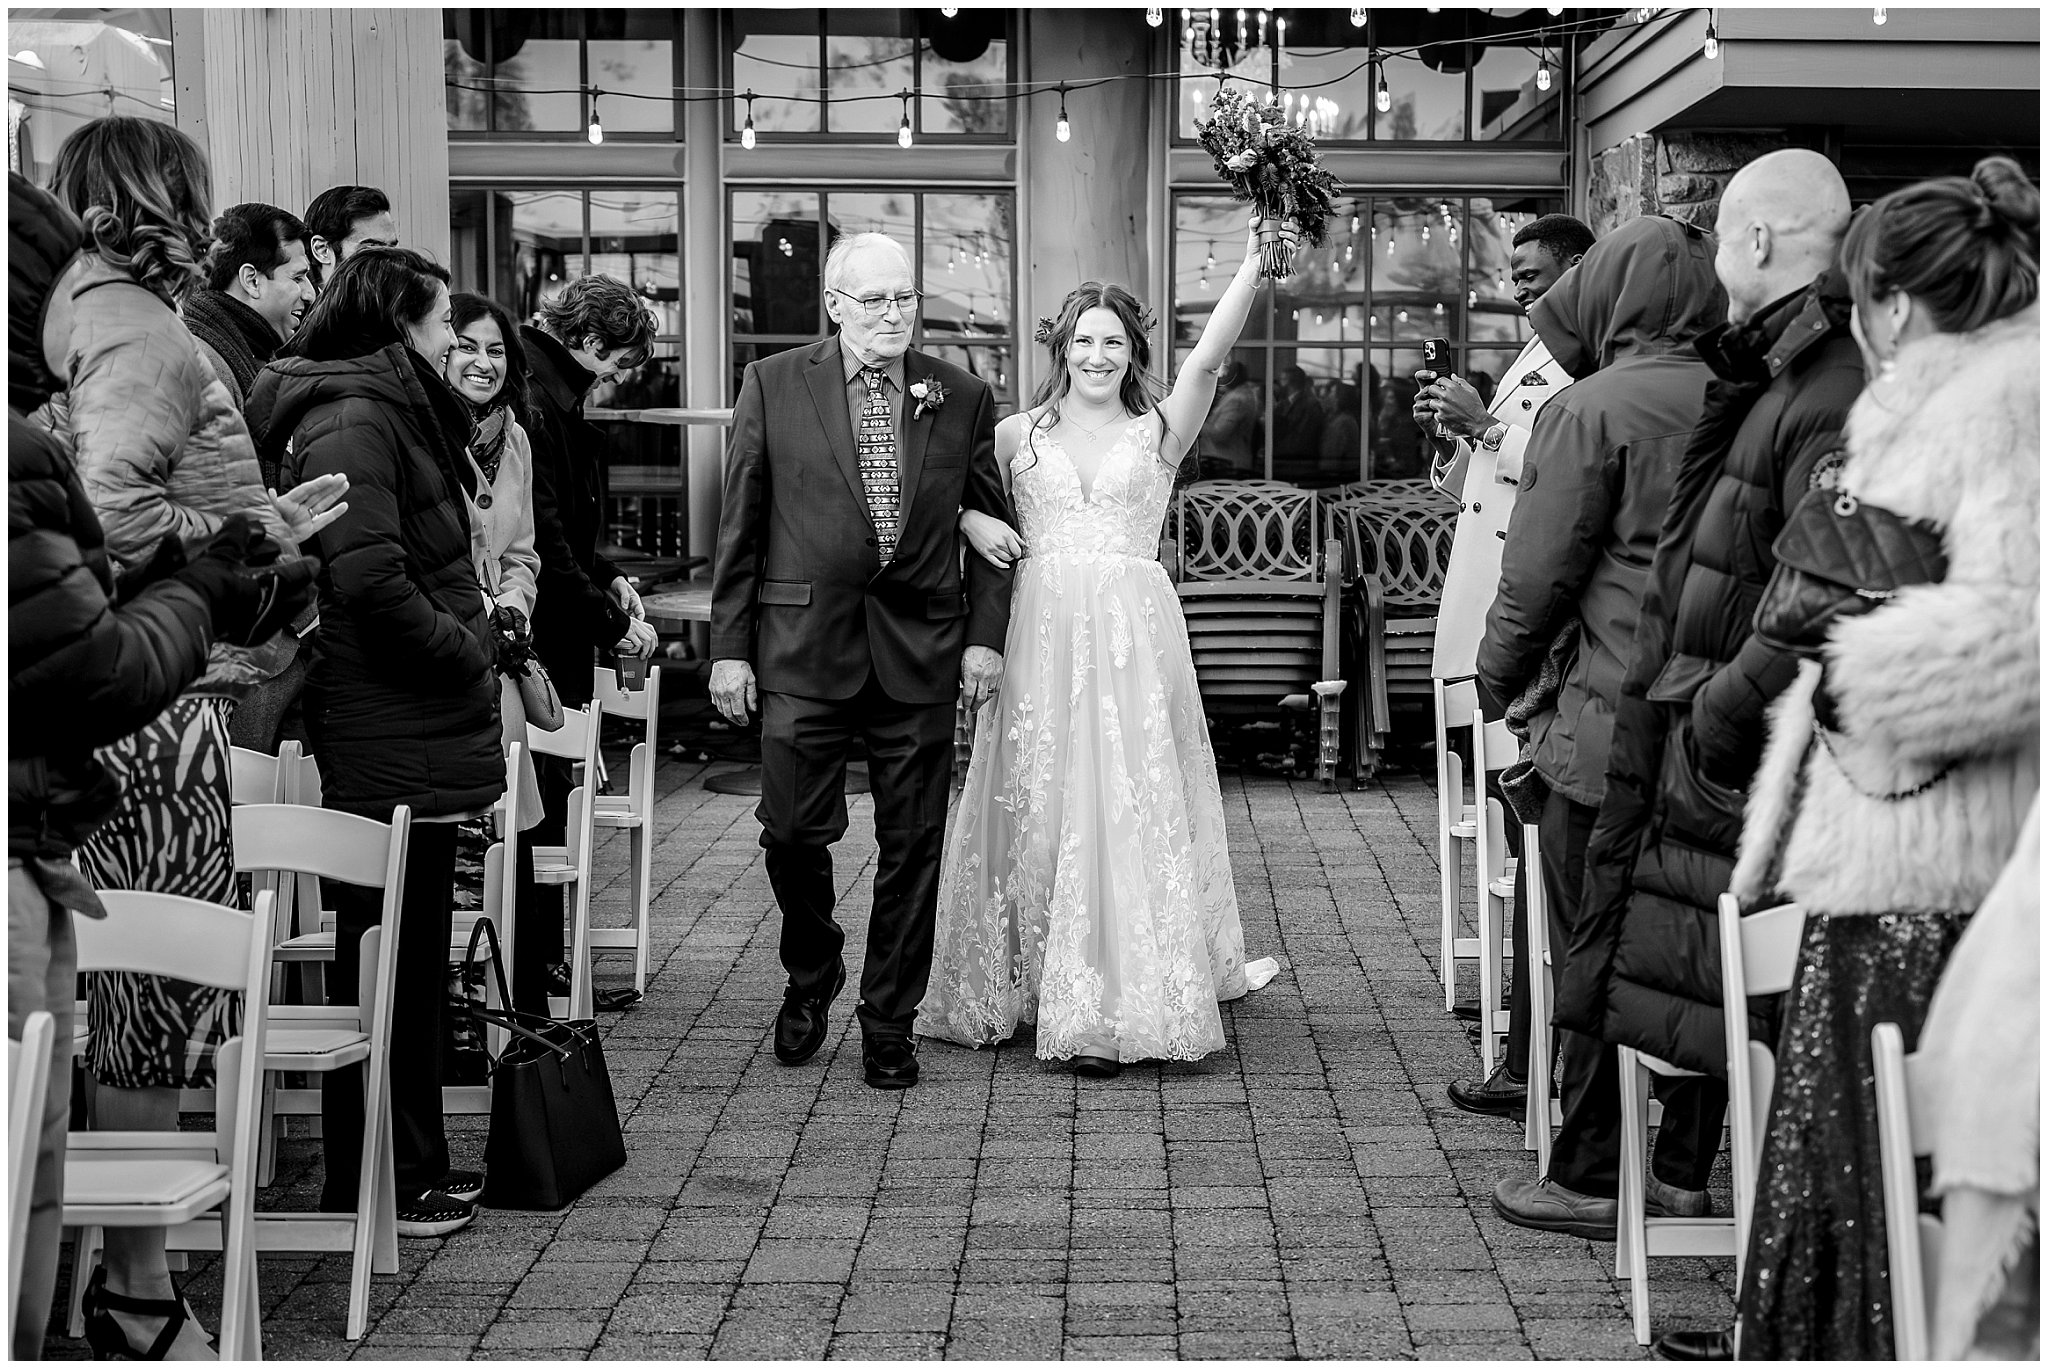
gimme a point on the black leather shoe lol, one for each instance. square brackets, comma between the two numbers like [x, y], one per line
[1498, 1095]
[890, 1061]
[1695, 1345]
[800, 1026]
[1466, 1010]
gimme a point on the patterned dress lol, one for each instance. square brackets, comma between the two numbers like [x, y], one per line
[171, 835]
[1086, 885]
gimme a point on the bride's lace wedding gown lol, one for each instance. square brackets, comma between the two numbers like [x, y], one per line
[1086, 886]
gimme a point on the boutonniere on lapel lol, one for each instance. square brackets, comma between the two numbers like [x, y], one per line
[929, 395]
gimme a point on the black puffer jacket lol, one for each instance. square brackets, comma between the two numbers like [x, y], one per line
[402, 705]
[574, 616]
[1645, 966]
[1596, 479]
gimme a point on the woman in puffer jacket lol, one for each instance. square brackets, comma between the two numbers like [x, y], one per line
[167, 463]
[1900, 766]
[401, 700]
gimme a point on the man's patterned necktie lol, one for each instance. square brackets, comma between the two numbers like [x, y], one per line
[877, 447]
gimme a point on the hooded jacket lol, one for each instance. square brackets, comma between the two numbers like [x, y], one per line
[1914, 803]
[83, 670]
[1644, 969]
[1596, 479]
[401, 701]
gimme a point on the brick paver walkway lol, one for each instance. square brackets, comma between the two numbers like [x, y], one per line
[1306, 1192]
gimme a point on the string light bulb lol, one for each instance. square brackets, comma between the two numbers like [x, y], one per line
[1712, 47]
[747, 128]
[1878, 16]
[1543, 69]
[1554, 10]
[596, 128]
[1358, 16]
[1155, 16]
[903, 138]
[1063, 130]
[950, 12]
[1382, 98]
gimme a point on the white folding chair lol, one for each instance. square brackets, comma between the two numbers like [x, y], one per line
[171, 1179]
[28, 1087]
[1912, 1237]
[569, 864]
[633, 811]
[1543, 1114]
[280, 843]
[475, 1099]
[1494, 750]
[1457, 824]
[256, 776]
[1759, 954]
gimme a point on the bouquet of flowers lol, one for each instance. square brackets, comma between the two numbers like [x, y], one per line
[1270, 162]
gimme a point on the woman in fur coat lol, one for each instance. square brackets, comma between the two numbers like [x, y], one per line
[1901, 765]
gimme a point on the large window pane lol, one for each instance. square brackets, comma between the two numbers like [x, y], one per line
[996, 365]
[1209, 244]
[1428, 88]
[643, 67]
[633, 236]
[1325, 60]
[867, 55]
[775, 53]
[1507, 101]
[776, 260]
[967, 265]
[966, 56]
[549, 58]
[540, 247]
[890, 213]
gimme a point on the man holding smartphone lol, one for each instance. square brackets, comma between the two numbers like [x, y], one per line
[1479, 461]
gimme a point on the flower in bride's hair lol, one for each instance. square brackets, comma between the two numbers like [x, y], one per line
[1147, 320]
[1045, 331]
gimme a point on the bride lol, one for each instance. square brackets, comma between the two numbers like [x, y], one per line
[1086, 886]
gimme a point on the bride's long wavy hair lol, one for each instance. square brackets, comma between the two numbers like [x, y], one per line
[1140, 392]
[143, 190]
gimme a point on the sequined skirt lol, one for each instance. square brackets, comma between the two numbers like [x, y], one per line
[1816, 1284]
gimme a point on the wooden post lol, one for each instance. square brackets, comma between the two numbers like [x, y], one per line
[288, 102]
[1087, 207]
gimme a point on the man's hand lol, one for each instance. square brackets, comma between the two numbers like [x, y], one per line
[732, 690]
[1459, 410]
[626, 597]
[981, 674]
[640, 639]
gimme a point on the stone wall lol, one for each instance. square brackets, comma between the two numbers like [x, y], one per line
[1679, 173]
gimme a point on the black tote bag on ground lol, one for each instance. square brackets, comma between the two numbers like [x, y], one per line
[554, 1124]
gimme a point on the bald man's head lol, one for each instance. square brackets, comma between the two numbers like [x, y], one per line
[1782, 218]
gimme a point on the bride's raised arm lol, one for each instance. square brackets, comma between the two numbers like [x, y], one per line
[1193, 389]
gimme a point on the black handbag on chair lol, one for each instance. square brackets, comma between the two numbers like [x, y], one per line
[554, 1124]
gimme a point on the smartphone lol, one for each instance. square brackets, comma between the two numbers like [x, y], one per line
[1436, 356]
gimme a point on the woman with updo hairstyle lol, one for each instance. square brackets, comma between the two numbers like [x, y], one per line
[1902, 762]
[1086, 884]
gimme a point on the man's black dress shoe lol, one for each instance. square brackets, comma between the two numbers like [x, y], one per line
[1695, 1344]
[800, 1026]
[890, 1061]
[1499, 1095]
[1466, 1010]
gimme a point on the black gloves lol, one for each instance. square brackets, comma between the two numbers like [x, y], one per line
[511, 640]
[252, 596]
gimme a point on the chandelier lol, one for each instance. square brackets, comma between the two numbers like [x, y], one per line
[1222, 38]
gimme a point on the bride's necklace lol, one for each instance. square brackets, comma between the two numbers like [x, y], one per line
[1068, 419]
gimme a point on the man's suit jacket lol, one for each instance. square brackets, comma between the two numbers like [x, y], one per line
[1488, 482]
[799, 589]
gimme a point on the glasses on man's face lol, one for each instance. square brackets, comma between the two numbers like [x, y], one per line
[875, 306]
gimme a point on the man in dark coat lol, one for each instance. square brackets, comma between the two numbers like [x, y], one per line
[1645, 967]
[594, 330]
[840, 609]
[1595, 481]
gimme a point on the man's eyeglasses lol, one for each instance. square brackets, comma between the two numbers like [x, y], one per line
[875, 306]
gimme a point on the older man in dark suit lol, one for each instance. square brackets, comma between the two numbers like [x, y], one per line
[840, 608]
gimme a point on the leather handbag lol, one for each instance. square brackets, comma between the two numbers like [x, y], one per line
[537, 695]
[554, 1122]
[1839, 557]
